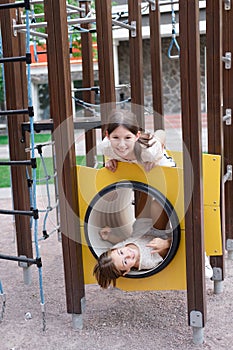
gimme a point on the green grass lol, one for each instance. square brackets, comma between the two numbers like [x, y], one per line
[3, 139]
[4, 176]
[39, 138]
[40, 173]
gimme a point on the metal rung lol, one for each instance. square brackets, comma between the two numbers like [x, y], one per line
[14, 111]
[25, 4]
[26, 58]
[33, 213]
[36, 261]
[82, 124]
[16, 162]
[16, 212]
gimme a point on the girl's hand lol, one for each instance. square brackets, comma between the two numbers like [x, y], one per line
[111, 165]
[159, 245]
[148, 166]
[105, 233]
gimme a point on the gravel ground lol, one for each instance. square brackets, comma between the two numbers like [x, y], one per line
[113, 319]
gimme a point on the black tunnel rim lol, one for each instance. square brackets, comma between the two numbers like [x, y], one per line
[161, 199]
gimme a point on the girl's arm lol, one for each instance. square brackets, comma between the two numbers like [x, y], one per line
[160, 246]
[106, 150]
[151, 153]
[113, 237]
[111, 165]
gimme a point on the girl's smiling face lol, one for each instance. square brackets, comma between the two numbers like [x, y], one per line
[126, 257]
[123, 141]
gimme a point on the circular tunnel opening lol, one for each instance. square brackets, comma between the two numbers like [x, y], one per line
[117, 206]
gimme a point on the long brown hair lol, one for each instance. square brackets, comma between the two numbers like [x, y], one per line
[105, 270]
[129, 121]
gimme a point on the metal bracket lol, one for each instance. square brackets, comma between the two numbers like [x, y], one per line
[21, 263]
[228, 175]
[133, 29]
[227, 60]
[217, 274]
[196, 319]
[229, 244]
[132, 26]
[153, 5]
[227, 116]
[13, 26]
[227, 5]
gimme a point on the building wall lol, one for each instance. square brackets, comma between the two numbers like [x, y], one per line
[171, 75]
[170, 83]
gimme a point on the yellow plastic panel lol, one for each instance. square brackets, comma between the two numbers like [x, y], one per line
[211, 177]
[212, 230]
[169, 181]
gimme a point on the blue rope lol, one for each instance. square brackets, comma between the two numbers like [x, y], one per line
[47, 177]
[173, 42]
[33, 20]
[3, 299]
[1, 289]
[31, 117]
[2, 67]
[45, 180]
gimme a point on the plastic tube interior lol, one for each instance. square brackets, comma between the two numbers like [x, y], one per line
[115, 207]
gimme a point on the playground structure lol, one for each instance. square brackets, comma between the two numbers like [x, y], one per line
[219, 19]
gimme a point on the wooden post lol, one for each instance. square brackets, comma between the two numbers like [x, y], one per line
[105, 57]
[214, 108]
[136, 78]
[193, 191]
[228, 127]
[16, 98]
[88, 81]
[61, 112]
[156, 66]
[136, 61]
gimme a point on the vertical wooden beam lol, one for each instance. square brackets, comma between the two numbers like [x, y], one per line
[88, 81]
[191, 128]
[214, 101]
[16, 98]
[136, 61]
[61, 112]
[105, 57]
[136, 77]
[228, 129]
[156, 67]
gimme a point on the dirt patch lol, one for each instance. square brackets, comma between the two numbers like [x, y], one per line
[113, 319]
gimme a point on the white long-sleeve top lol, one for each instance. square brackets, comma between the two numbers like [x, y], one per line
[147, 260]
[152, 154]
